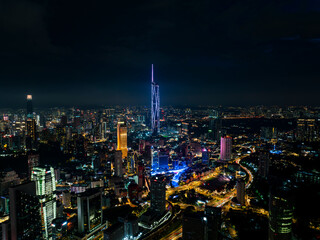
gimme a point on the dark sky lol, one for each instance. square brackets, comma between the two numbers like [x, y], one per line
[230, 52]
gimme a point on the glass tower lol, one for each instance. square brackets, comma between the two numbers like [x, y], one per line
[155, 106]
[45, 190]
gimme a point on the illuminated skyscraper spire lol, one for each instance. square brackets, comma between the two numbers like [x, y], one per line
[155, 106]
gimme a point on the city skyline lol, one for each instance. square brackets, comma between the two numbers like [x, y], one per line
[159, 120]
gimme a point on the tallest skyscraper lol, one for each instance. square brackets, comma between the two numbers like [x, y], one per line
[31, 125]
[155, 106]
[29, 107]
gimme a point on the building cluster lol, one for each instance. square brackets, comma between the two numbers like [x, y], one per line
[70, 172]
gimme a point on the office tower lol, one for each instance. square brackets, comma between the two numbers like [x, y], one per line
[45, 190]
[280, 213]
[141, 176]
[215, 127]
[205, 156]
[29, 107]
[114, 232]
[213, 216]
[163, 160]
[122, 138]
[33, 161]
[155, 106]
[25, 214]
[118, 163]
[264, 160]
[241, 191]
[31, 135]
[4, 230]
[131, 162]
[193, 226]
[133, 192]
[158, 194]
[108, 168]
[8, 178]
[66, 199]
[30, 125]
[226, 148]
[89, 210]
[307, 130]
[131, 228]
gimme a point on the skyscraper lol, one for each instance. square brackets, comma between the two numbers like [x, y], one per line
[29, 107]
[45, 189]
[118, 163]
[280, 213]
[158, 194]
[241, 191]
[193, 226]
[89, 210]
[226, 148]
[215, 127]
[155, 106]
[213, 229]
[25, 212]
[31, 124]
[122, 138]
[264, 162]
[307, 130]
[33, 161]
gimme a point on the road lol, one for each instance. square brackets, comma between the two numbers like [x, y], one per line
[174, 235]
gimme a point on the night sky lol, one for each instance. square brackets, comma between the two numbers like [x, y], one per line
[81, 52]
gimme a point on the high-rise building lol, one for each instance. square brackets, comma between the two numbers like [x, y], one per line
[213, 221]
[66, 199]
[215, 127]
[31, 136]
[264, 161]
[226, 148]
[89, 210]
[158, 194]
[131, 162]
[205, 156]
[33, 161]
[45, 190]
[202, 225]
[163, 160]
[108, 168]
[30, 124]
[118, 163]
[141, 178]
[241, 191]
[29, 107]
[155, 106]
[8, 178]
[280, 213]
[307, 130]
[193, 226]
[122, 138]
[25, 214]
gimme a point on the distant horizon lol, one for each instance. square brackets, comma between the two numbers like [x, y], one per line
[148, 107]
